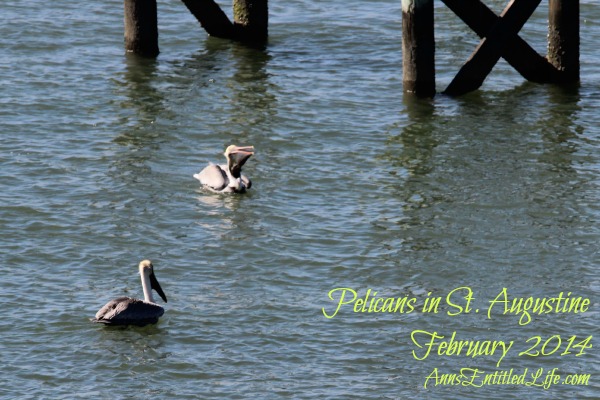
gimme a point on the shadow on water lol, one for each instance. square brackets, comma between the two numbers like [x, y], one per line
[489, 180]
[143, 101]
[416, 139]
[224, 207]
[252, 95]
[237, 73]
[560, 123]
[410, 157]
[143, 108]
[232, 96]
[135, 345]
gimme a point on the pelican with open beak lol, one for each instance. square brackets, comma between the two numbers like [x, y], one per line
[130, 311]
[228, 178]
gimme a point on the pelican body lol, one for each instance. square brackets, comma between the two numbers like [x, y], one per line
[130, 311]
[228, 178]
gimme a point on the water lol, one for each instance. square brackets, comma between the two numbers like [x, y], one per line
[355, 186]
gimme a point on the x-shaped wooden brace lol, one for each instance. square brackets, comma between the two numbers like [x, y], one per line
[499, 39]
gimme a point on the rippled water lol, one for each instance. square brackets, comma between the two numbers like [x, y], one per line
[355, 186]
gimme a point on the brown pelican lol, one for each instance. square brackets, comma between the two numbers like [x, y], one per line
[228, 178]
[130, 311]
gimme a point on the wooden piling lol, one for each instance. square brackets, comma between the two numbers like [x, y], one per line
[563, 38]
[251, 19]
[418, 47]
[141, 27]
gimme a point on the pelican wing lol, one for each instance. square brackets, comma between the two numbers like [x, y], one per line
[129, 311]
[213, 176]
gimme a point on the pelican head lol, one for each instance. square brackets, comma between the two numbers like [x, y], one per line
[147, 274]
[237, 157]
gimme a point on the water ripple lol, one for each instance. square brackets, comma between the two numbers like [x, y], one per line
[354, 186]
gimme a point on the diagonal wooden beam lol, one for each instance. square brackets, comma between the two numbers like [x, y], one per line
[490, 49]
[522, 57]
[211, 17]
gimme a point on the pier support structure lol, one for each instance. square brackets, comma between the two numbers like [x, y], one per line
[250, 19]
[499, 38]
[418, 47]
[563, 38]
[250, 23]
[141, 27]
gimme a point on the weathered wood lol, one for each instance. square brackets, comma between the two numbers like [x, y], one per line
[250, 23]
[214, 21]
[522, 57]
[488, 52]
[251, 20]
[141, 27]
[418, 47]
[563, 38]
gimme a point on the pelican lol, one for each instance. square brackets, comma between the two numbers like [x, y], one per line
[228, 178]
[130, 311]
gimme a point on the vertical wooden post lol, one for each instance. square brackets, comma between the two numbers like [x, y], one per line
[251, 19]
[418, 47]
[141, 27]
[563, 38]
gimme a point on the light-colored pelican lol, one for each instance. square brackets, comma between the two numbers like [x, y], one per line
[228, 178]
[130, 311]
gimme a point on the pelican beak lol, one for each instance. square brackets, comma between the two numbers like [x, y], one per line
[156, 286]
[238, 156]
